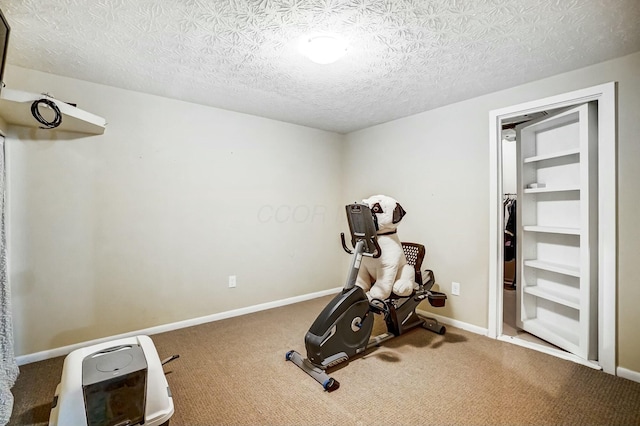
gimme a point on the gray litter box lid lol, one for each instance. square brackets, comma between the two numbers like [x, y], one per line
[112, 362]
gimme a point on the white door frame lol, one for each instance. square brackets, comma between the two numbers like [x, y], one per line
[605, 96]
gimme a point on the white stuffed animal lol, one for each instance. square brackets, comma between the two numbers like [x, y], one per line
[390, 272]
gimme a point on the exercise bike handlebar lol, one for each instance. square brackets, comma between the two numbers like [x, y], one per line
[375, 254]
[344, 244]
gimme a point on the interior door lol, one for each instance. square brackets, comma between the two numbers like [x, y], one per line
[557, 232]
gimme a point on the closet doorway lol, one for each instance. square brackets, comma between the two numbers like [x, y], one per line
[533, 258]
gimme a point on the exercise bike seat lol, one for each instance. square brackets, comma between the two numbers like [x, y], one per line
[415, 254]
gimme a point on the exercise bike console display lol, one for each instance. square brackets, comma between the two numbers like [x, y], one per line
[363, 228]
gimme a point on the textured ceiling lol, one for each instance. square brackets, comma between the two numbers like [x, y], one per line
[404, 57]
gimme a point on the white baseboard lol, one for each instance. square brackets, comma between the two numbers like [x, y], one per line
[455, 323]
[52, 353]
[628, 374]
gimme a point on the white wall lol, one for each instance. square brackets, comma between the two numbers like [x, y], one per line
[437, 165]
[143, 225]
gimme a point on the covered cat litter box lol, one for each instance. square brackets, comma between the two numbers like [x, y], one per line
[115, 383]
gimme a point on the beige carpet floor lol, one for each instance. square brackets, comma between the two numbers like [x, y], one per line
[233, 372]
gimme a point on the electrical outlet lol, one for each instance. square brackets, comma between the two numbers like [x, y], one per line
[232, 281]
[455, 288]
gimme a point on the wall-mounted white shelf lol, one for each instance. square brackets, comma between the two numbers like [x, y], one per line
[15, 109]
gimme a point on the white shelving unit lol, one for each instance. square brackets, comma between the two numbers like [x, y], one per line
[557, 232]
[15, 109]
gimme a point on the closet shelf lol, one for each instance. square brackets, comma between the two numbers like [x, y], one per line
[573, 271]
[551, 189]
[15, 109]
[559, 154]
[554, 334]
[552, 230]
[554, 296]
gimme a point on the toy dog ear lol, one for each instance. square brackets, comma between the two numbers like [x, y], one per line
[398, 213]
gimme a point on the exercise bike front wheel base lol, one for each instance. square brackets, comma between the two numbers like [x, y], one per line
[329, 384]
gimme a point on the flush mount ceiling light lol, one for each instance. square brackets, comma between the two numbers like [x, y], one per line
[323, 49]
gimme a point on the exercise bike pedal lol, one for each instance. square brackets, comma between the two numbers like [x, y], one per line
[378, 306]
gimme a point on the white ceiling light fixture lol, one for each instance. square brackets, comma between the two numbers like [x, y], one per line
[323, 48]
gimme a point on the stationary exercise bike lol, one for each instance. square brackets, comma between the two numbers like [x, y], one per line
[343, 328]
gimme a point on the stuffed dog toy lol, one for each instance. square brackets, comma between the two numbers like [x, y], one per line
[390, 272]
